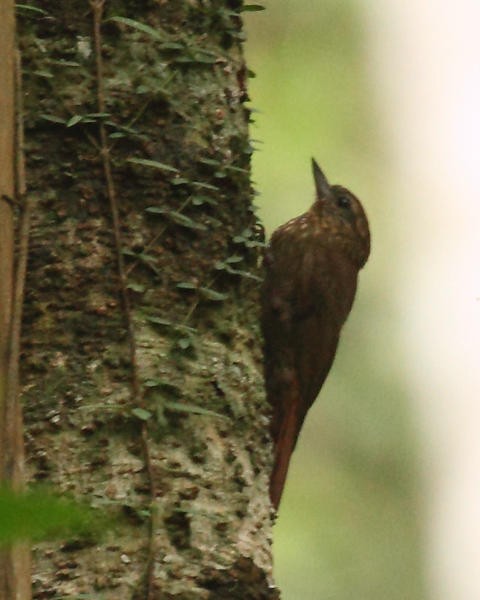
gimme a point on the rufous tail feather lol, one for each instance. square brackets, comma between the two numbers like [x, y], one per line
[284, 445]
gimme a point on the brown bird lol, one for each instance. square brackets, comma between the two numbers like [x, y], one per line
[311, 264]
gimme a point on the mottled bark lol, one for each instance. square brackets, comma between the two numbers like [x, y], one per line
[143, 386]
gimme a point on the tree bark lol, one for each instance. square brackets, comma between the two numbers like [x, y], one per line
[143, 387]
[14, 559]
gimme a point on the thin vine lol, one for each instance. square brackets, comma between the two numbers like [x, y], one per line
[97, 12]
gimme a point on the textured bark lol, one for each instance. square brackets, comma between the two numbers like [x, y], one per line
[143, 386]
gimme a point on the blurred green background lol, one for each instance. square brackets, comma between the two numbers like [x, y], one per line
[348, 526]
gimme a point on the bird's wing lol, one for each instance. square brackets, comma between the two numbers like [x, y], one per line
[300, 338]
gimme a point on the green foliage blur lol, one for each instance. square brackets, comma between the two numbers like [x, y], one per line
[348, 522]
[39, 515]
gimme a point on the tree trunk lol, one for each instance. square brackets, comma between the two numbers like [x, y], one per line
[143, 388]
[15, 559]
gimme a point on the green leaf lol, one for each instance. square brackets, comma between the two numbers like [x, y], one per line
[252, 8]
[186, 285]
[156, 210]
[226, 266]
[239, 35]
[139, 27]
[98, 115]
[74, 120]
[159, 321]
[82, 596]
[65, 63]
[236, 169]
[176, 217]
[185, 328]
[255, 244]
[152, 383]
[136, 287]
[245, 274]
[148, 258]
[235, 258]
[40, 515]
[53, 119]
[191, 408]
[31, 8]
[43, 73]
[239, 239]
[210, 161]
[185, 221]
[184, 343]
[141, 413]
[172, 46]
[154, 164]
[205, 186]
[203, 58]
[213, 222]
[124, 128]
[184, 59]
[165, 322]
[213, 295]
[199, 200]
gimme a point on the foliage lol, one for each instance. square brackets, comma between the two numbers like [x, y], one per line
[39, 515]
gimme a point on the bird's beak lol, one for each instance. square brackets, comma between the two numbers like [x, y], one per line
[322, 186]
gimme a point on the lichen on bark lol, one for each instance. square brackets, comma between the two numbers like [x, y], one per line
[195, 507]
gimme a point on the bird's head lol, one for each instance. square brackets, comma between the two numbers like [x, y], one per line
[342, 219]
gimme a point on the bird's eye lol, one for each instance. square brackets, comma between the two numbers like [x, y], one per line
[343, 202]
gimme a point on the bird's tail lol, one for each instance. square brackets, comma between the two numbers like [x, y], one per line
[285, 436]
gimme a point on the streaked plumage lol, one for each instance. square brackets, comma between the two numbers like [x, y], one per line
[311, 264]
